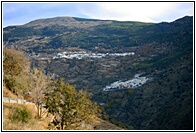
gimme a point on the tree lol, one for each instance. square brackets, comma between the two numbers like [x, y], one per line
[38, 84]
[16, 69]
[69, 107]
[15, 62]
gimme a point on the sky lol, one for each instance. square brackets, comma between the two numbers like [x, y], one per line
[19, 13]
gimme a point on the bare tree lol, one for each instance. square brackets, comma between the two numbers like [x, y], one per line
[38, 84]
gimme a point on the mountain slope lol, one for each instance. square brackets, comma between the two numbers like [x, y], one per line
[165, 103]
[97, 54]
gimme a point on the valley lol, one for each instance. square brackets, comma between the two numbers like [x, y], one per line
[141, 74]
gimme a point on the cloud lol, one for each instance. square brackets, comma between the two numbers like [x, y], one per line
[141, 11]
[135, 11]
[21, 13]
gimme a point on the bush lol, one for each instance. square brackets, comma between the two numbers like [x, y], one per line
[20, 114]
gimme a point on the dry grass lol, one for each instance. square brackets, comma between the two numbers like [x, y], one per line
[32, 124]
[8, 93]
[32, 108]
[42, 124]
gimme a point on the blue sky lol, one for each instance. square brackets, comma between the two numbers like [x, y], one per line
[19, 13]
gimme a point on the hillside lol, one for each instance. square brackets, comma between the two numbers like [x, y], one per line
[139, 73]
[40, 124]
[8, 93]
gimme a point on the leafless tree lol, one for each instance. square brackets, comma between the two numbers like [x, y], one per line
[38, 84]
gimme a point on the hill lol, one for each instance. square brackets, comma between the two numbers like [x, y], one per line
[140, 73]
[9, 110]
[9, 121]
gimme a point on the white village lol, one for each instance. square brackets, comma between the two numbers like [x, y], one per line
[83, 54]
[133, 83]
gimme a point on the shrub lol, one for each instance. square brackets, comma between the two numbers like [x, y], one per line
[20, 114]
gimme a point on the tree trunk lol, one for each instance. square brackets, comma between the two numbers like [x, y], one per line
[38, 110]
[62, 126]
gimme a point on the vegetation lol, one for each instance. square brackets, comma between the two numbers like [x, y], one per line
[22, 80]
[39, 83]
[42, 124]
[163, 52]
[20, 114]
[69, 107]
[21, 117]
[16, 68]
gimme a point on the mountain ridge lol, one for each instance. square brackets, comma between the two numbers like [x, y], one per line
[78, 19]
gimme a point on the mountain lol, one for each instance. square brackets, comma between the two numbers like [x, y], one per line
[140, 73]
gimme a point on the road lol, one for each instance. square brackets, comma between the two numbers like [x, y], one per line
[15, 100]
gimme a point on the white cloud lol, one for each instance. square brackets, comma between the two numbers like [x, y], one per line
[140, 11]
[21, 13]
